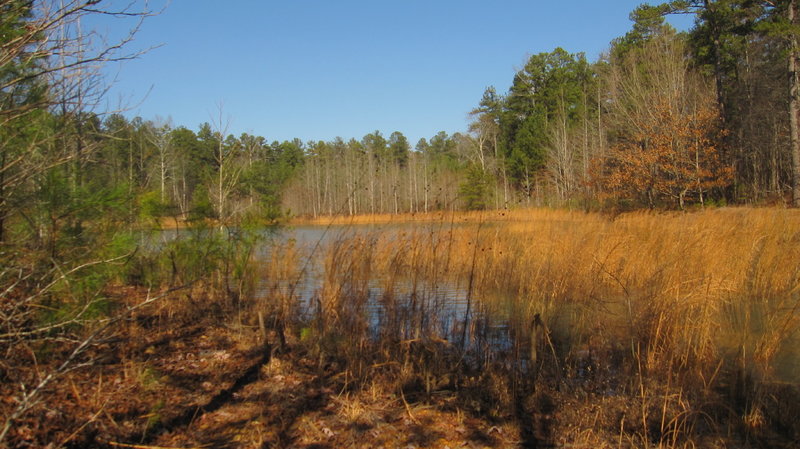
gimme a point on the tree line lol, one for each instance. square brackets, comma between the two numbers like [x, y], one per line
[663, 119]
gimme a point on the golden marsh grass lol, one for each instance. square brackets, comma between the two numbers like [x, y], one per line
[691, 315]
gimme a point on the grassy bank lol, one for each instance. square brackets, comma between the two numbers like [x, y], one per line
[419, 217]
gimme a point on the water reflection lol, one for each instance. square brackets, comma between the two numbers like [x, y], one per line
[439, 307]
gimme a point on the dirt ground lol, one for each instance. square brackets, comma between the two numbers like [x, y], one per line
[168, 378]
[184, 374]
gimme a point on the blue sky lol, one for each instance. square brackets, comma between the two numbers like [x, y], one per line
[317, 69]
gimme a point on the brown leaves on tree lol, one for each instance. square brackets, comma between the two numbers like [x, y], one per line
[672, 158]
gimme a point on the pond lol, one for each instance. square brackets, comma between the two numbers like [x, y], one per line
[443, 307]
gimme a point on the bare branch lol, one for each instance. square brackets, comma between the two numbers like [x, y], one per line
[27, 399]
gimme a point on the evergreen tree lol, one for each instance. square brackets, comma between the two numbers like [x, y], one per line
[549, 84]
[475, 189]
[398, 148]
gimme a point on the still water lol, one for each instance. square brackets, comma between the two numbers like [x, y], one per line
[444, 306]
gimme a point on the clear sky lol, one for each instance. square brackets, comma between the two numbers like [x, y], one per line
[317, 69]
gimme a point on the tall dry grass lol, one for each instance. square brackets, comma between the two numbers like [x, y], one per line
[278, 287]
[692, 313]
[405, 218]
[685, 288]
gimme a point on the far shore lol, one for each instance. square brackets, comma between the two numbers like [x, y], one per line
[495, 215]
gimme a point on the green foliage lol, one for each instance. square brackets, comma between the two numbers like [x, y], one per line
[151, 208]
[174, 258]
[720, 37]
[648, 22]
[218, 257]
[549, 84]
[19, 60]
[375, 145]
[56, 214]
[306, 334]
[288, 153]
[241, 241]
[529, 148]
[206, 147]
[422, 145]
[121, 247]
[202, 208]
[265, 179]
[440, 151]
[474, 190]
[398, 148]
[193, 257]
[80, 246]
[154, 415]
[491, 103]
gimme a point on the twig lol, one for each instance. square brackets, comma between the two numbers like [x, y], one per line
[63, 275]
[408, 407]
[143, 446]
[27, 400]
[91, 420]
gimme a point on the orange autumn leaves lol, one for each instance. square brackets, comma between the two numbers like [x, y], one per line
[670, 159]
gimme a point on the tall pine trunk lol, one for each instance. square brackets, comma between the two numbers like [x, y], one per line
[794, 107]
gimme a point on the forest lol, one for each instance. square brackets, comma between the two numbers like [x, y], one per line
[678, 145]
[662, 120]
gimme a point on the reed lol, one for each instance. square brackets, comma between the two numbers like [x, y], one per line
[692, 316]
[404, 218]
[275, 294]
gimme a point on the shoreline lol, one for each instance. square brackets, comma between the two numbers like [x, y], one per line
[496, 215]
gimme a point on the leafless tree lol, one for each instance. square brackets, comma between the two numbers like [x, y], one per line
[158, 134]
[229, 166]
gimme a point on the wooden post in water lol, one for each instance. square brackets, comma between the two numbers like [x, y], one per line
[263, 328]
[539, 340]
[535, 341]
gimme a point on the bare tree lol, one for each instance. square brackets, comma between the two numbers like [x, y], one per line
[55, 48]
[667, 125]
[158, 134]
[562, 158]
[228, 165]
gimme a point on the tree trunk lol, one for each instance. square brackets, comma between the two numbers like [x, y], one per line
[219, 185]
[163, 174]
[425, 184]
[715, 36]
[2, 194]
[794, 107]
[371, 175]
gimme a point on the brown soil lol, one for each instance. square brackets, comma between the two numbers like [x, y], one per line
[180, 375]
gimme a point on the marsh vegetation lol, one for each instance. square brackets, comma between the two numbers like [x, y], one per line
[528, 328]
[636, 331]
